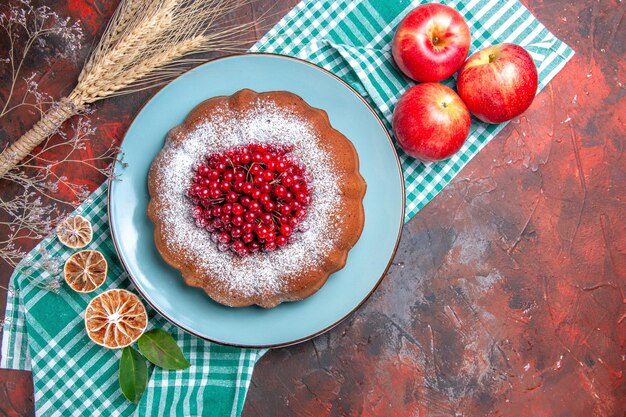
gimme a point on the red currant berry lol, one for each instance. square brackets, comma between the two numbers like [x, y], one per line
[255, 207]
[237, 208]
[265, 188]
[224, 237]
[240, 176]
[237, 246]
[261, 231]
[270, 206]
[287, 180]
[256, 194]
[279, 191]
[264, 199]
[256, 170]
[236, 232]
[285, 230]
[247, 188]
[248, 228]
[231, 197]
[300, 213]
[204, 193]
[195, 189]
[302, 197]
[244, 158]
[268, 176]
[237, 186]
[254, 246]
[281, 166]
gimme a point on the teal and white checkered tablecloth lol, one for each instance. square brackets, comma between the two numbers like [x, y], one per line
[44, 331]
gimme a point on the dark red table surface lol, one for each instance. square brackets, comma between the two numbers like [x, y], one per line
[507, 293]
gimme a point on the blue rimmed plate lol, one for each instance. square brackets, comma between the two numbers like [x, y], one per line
[289, 323]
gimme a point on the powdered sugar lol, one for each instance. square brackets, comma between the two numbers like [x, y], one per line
[261, 272]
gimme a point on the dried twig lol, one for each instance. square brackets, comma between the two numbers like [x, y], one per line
[29, 194]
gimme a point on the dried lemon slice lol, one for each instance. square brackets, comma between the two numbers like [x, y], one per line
[75, 232]
[85, 271]
[115, 318]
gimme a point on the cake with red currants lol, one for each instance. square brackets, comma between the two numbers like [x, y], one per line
[256, 198]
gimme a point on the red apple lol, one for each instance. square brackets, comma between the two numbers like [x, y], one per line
[431, 43]
[431, 122]
[498, 83]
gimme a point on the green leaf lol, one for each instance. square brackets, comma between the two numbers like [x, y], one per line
[133, 374]
[160, 348]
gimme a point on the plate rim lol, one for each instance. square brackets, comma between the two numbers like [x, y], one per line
[291, 342]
